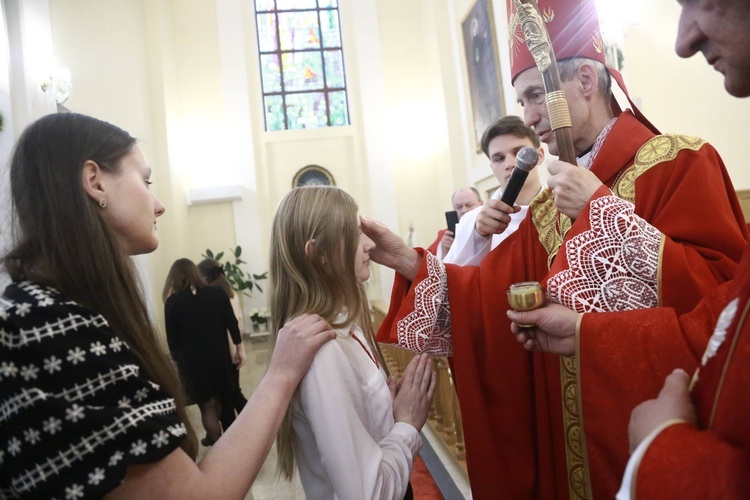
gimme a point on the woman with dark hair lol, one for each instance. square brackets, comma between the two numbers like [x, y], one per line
[82, 369]
[197, 318]
[233, 400]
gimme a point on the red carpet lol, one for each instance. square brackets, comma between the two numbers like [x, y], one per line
[422, 484]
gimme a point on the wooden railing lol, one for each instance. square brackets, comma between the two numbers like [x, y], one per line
[445, 416]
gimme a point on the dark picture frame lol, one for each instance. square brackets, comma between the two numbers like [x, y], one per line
[483, 67]
[313, 175]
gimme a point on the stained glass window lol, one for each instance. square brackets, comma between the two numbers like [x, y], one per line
[301, 64]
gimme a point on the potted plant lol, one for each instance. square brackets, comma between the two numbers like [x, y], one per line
[259, 317]
[240, 280]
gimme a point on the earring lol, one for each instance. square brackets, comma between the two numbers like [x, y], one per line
[103, 203]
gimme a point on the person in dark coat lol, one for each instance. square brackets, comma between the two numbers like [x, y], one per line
[197, 318]
[234, 401]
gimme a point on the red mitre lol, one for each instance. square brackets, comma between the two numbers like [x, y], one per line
[573, 28]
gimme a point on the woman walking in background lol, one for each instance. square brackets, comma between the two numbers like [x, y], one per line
[234, 400]
[197, 318]
[352, 431]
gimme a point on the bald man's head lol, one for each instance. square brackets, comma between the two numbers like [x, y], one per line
[465, 200]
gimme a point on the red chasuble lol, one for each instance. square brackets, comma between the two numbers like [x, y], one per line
[666, 227]
[713, 460]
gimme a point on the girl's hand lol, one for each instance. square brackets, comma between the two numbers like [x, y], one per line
[414, 392]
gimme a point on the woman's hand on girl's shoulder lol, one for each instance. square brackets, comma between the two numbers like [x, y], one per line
[414, 392]
[297, 343]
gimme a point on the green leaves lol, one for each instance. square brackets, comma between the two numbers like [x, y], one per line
[240, 280]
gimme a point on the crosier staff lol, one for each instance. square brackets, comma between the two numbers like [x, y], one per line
[538, 41]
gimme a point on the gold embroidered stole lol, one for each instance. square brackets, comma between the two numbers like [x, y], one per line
[552, 227]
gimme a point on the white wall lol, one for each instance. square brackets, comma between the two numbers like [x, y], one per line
[26, 58]
[6, 142]
[685, 95]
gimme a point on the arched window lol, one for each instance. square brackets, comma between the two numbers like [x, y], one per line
[301, 64]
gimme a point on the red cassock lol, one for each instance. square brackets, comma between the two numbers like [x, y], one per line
[666, 228]
[434, 246]
[712, 460]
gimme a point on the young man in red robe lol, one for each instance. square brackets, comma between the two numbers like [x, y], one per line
[693, 440]
[615, 233]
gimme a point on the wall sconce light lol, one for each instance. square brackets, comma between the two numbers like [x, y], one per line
[58, 86]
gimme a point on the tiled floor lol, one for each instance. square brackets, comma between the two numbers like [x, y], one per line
[267, 486]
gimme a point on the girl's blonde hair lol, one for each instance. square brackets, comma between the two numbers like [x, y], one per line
[321, 280]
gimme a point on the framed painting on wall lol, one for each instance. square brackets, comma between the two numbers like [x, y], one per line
[483, 67]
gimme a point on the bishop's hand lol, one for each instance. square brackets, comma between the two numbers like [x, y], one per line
[390, 250]
[554, 329]
[572, 187]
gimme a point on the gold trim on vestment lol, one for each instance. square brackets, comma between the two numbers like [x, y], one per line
[659, 288]
[579, 482]
[545, 217]
[658, 149]
[552, 227]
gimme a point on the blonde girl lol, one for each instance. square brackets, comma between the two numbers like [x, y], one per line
[352, 431]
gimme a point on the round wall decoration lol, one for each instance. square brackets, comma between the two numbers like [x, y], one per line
[313, 175]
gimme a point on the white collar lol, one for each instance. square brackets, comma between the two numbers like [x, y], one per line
[343, 332]
[588, 158]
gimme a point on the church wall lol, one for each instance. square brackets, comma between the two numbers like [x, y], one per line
[685, 95]
[25, 56]
[134, 64]
[417, 137]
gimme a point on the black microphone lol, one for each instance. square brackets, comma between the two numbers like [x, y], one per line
[526, 160]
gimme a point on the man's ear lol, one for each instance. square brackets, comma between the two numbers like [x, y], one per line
[540, 152]
[588, 79]
[92, 178]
